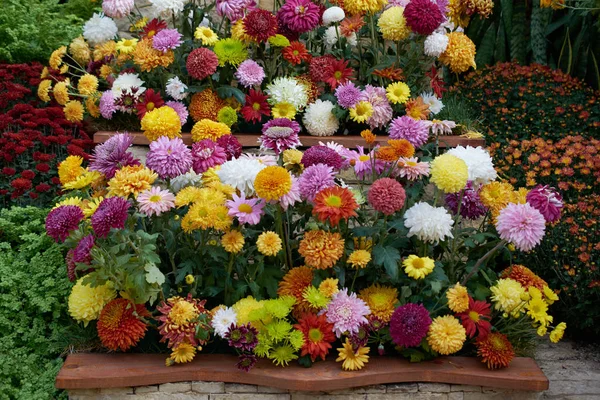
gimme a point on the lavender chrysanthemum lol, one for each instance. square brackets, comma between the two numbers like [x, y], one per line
[547, 201]
[348, 94]
[180, 109]
[167, 39]
[522, 225]
[81, 253]
[382, 111]
[279, 135]
[207, 154]
[112, 155]
[169, 157]
[117, 8]
[314, 179]
[471, 207]
[346, 312]
[111, 213]
[233, 9]
[405, 127]
[107, 104]
[409, 325]
[292, 197]
[62, 220]
[322, 155]
[250, 73]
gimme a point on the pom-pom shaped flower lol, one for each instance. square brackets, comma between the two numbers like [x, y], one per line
[413, 130]
[495, 350]
[250, 73]
[162, 121]
[294, 283]
[346, 312]
[347, 94]
[178, 320]
[120, 326]
[167, 39]
[61, 221]
[392, 24]
[279, 135]
[322, 155]
[479, 163]
[131, 180]
[99, 29]
[547, 201]
[418, 267]
[446, 335]
[321, 249]
[299, 15]
[86, 302]
[381, 301]
[458, 298]
[521, 225]
[117, 8]
[449, 173]
[272, 183]
[209, 129]
[233, 241]
[423, 16]
[409, 325]
[318, 336]
[201, 63]
[287, 90]
[155, 201]
[207, 154]
[360, 7]
[111, 213]
[386, 195]
[260, 25]
[471, 206]
[314, 179]
[334, 204]
[240, 173]
[169, 157]
[428, 223]
[460, 52]
[269, 243]
[436, 44]
[332, 15]
[476, 319]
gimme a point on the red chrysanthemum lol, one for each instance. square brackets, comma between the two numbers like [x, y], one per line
[179, 318]
[333, 204]
[28, 174]
[260, 25]
[436, 82]
[318, 66]
[42, 167]
[386, 195]
[295, 53]
[256, 106]
[318, 335]
[148, 102]
[293, 283]
[201, 62]
[423, 16]
[119, 325]
[21, 184]
[337, 73]
[524, 276]
[477, 318]
[153, 27]
[495, 350]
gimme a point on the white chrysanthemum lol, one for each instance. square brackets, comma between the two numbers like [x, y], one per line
[287, 90]
[240, 173]
[268, 160]
[176, 89]
[428, 223]
[222, 320]
[333, 14]
[319, 119]
[435, 44]
[479, 162]
[99, 29]
[117, 8]
[190, 178]
[167, 7]
[331, 38]
[435, 104]
[125, 82]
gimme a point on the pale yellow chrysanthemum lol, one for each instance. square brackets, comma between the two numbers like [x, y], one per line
[91, 206]
[269, 243]
[458, 298]
[131, 180]
[80, 51]
[56, 58]
[87, 85]
[206, 35]
[44, 89]
[449, 173]
[392, 24]
[507, 296]
[86, 302]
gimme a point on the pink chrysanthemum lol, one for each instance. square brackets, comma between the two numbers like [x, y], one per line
[180, 109]
[206, 154]
[201, 63]
[169, 158]
[423, 16]
[386, 195]
[113, 155]
[363, 162]
[279, 135]
[322, 155]
[471, 206]
[167, 39]
[415, 131]
[247, 211]
[117, 8]
[346, 312]
[347, 94]
[155, 201]
[233, 9]
[382, 111]
[522, 225]
[409, 325]
[411, 168]
[107, 104]
[81, 252]
[62, 220]
[292, 197]
[547, 201]
[231, 145]
[299, 15]
[250, 73]
[314, 179]
[111, 213]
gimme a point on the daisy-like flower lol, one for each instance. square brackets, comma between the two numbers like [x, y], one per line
[321, 249]
[428, 223]
[314, 179]
[284, 110]
[352, 360]
[255, 107]
[361, 111]
[279, 135]
[126, 83]
[155, 201]
[418, 267]
[318, 336]
[249, 73]
[334, 204]
[296, 53]
[222, 320]
[411, 168]
[495, 350]
[337, 72]
[176, 89]
[522, 225]
[409, 325]
[247, 211]
[182, 353]
[206, 35]
[346, 312]
[398, 92]
[240, 173]
[476, 318]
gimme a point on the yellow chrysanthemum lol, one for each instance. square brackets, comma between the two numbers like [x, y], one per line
[208, 129]
[162, 121]
[359, 258]
[355, 7]
[329, 287]
[272, 182]
[495, 196]
[392, 24]
[550, 295]
[91, 105]
[506, 295]
[61, 93]
[105, 71]
[45, 73]
[44, 89]
[86, 302]
[279, 41]
[519, 196]
[183, 353]
[557, 334]
[70, 169]
[205, 216]
[457, 13]
[183, 312]
[206, 35]
[83, 180]
[91, 206]
[542, 330]
[73, 111]
[233, 241]
[458, 298]
[87, 85]
[139, 24]
[106, 49]
[283, 110]
[398, 92]
[71, 201]
[460, 53]
[64, 69]
[361, 112]
[126, 46]
[80, 51]
[292, 160]
[238, 31]
[244, 307]
[192, 194]
[352, 360]
[56, 58]
[537, 309]
[131, 180]
[381, 300]
[449, 173]
[148, 58]
[446, 335]
[269, 243]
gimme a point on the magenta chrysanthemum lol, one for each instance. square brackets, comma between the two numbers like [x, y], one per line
[180, 109]
[382, 111]
[405, 127]
[231, 145]
[62, 220]
[386, 195]
[81, 253]
[233, 9]
[314, 179]
[347, 94]
[346, 312]
[409, 325]
[111, 213]
[364, 164]
[471, 207]
[299, 15]
[117, 8]
[250, 73]
[169, 158]
[423, 16]
[279, 135]
[547, 201]
[107, 104]
[206, 154]
[201, 63]
[113, 155]
[522, 225]
[155, 201]
[322, 155]
[167, 39]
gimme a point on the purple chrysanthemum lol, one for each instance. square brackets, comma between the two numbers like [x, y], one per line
[348, 94]
[112, 155]
[250, 73]
[279, 135]
[167, 39]
[423, 16]
[413, 130]
[180, 109]
[111, 213]
[443, 6]
[299, 15]
[243, 337]
[62, 220]
[471, 207]
[169, 157]
[107, 104]
[246, 362]
[547, 201]
[81, 253]
[382, 111]
[314, 179]
[206, 154]
[346, 312]
[231, 145]
[409, 325]
[233, 9]
[522, 225]
[322, 155]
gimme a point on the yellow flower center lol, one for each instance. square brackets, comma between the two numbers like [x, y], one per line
[411, 163]
[418, 263]
[474, 316]
[245, 208]
[154, 198]
[334, 201]
[150, 106]
[256, 106]
[315, 335]
[337, 74]
[296, 52]
[363, 158]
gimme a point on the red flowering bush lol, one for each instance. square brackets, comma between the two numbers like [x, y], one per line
[32, 140]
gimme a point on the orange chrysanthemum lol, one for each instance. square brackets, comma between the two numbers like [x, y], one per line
[352, 24]
[524, 276]
[321, 249]
[333, 204]
[293, 283]
[417, 109]
[148, 58]
[179, 319]
[119, 325]
[368, 136]
[386, 153]
[391, 73]
[402, 147]
[495, 350]
[318, 335]
[295, 53]
[206, 105]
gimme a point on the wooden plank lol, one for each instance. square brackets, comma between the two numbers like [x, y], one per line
[89, 371]
[251, 140]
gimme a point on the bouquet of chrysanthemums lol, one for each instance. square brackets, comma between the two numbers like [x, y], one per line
[276, 256]
[231, 65]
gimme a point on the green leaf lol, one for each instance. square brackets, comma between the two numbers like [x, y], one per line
[540, 17]
[387, 257]
[226, 92]
[485, 51]
[153, 274]
[518, 33]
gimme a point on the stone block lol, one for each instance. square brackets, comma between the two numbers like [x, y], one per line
[250, 396]
[501, 395]
[562, 388]
[465, 388]
[268, 389]
[456, 396]
[324, 396]
[240, 388]
[434, 387]
[178, 387]
[208, 387]
[402, 388]
[408, 396]
[172, 396]
[146, 389]
[361, 390]
[116, 391]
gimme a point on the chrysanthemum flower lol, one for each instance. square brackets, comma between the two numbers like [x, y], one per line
[557, 334]
[423, 16]
[329, 287]
[359, 258]
[386, 195]
[417, 109]
[337, 72]
[250, 73]
[222, 320]
[522, 225]
[279, 135]
[428, 223]
[155, 201]
[73, 111]
[87, 84]
[230, 51]
[495, 350]
[183, 353]
[405, 127]
[471, 206]
[147, 102]
[299, 15]
[207, 154]
[206, 35]
[287, 90]
[81, 253]
[240, 173]
[162, 121]
[322, 155]
[86, 302]
[449, 173]
[62, 220]
[120, 326]
[111, 213]
[334, 204]
[318, 336]
[506, 296]
[272, 183]
[458, 298]
[256, 106]
[296, 53]
[294, 283]
[247, 211]
[547, 201]
[537, 310]
[269, 243]
[476, 319]
[314, 179]
[167, 39]
[321, 249]
[348, 95]
[131, 180]
[398, 92]
[260, 25]
[446, 335]
[496, 195]
[352, 360]
[209, 129]
[227, 116]
[360, 7]
[148, 58]
[233, 241]
[460, 53]
[524, 276]
[361, 111]
[418, 267]
[346, 312]
[169, 157]
[409, 325]
[381, 300]
[201, 63]
[392, 24]
[178, 320]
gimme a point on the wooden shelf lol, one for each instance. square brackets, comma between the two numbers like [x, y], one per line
[91, 371]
